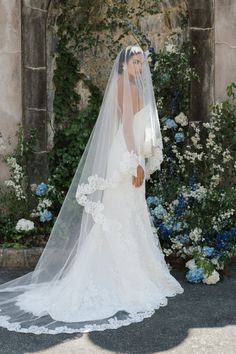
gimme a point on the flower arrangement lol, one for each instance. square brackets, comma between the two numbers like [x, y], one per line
[25, 213]
[192, 200]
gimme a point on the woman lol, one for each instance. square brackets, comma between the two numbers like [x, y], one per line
[101, 267]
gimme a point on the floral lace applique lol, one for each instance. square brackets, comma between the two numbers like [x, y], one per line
[128, 165]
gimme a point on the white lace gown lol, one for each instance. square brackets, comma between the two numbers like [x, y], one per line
[119, 277]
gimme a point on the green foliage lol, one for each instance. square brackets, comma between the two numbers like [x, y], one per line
[79, 28]
[171, 75]
[70, 144]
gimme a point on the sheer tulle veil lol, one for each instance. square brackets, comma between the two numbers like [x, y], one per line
[83, 205]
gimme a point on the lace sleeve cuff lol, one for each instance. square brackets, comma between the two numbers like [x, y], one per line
[154, 162]
[129, 163]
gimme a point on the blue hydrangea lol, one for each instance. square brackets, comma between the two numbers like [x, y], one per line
[170, 123]
[159, 211]
[45, 215]
[153, 200]
[181, 205]
[179, 136]
[183, 238]
[41, 189]
[222, 238]
[165, 230]
[208, 251]
[195, 275]
[177, 226]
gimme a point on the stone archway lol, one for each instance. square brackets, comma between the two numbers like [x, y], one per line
[34, 83]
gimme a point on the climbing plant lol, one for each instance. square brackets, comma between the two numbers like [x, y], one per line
[79, 29]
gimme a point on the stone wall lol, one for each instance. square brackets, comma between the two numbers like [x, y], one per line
[209, 30]
[225, 46]
[10, 83]
[201, 30]
[156, 27]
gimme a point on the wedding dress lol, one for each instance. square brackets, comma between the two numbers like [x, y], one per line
[118, 275]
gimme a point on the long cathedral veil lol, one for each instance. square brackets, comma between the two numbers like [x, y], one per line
[125, 95]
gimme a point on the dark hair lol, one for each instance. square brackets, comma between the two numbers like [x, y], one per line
[125, 55]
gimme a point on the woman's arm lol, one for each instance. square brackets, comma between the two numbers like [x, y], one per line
[127, 111]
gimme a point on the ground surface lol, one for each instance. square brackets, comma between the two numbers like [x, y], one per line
[201, 320]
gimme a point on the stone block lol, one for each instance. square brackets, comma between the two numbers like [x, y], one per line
[37, 167]
[37, 4]
[37, 120]
[33, 35]
[34, 85]
[202, 92]
[225, 29]
[201, 13]
[14, 258]
[10, 26]
[32, 256]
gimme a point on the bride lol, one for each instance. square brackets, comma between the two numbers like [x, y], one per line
[102, 267]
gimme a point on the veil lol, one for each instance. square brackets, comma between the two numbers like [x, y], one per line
[129, 91]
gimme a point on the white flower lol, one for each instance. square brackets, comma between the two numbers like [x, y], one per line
[181, 119]
[226, 156]
[33, 187]
[206, 125]
[191, 264]
[211, 279]
[195, 234]
[167, 251]
[24, 225]
[170, 48]
[188, 250]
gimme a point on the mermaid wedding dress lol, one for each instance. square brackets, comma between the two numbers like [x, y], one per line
[102, 266]
[119, 276]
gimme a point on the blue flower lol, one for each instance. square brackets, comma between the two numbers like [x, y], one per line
[181, 205]
[177, 226]
[179, 136]
[183, 238]
[153, 200]
[46, 215]
[165, 230]
[159, 211]
[208, 251]
[151, 49]
[170, 123]
[222, 238]
[195, 275]
[232, 231]
[41, 189]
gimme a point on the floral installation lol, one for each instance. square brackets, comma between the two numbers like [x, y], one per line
[42, 191]
[192, 199]
[19, 215]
